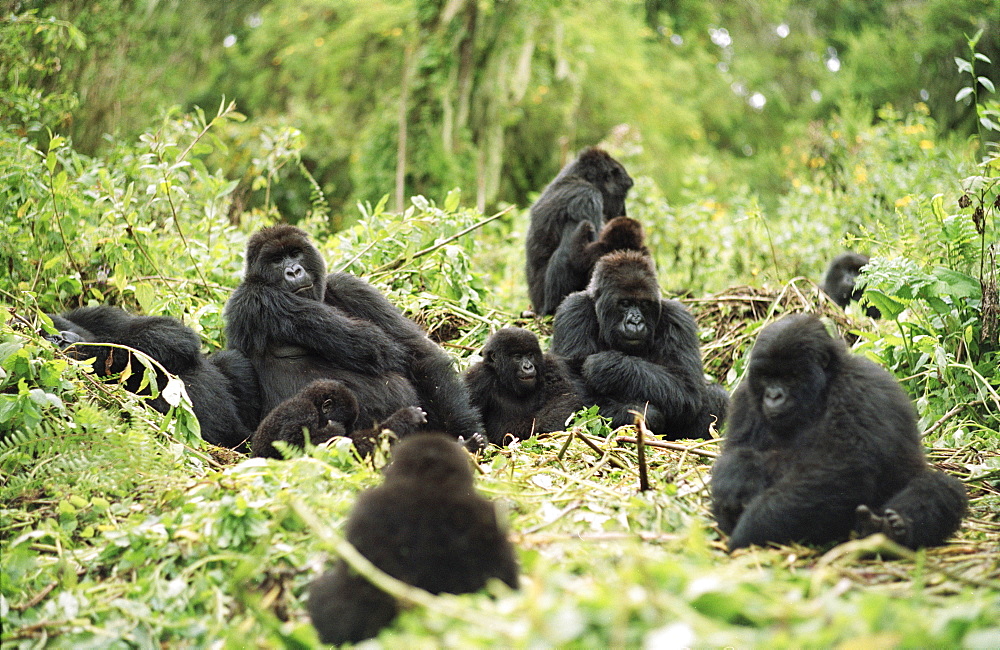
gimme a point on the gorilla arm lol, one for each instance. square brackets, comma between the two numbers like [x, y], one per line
[259, 316]
[568, 267]
[442, 393]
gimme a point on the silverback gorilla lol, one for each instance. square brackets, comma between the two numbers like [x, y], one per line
[425, 526]
[518, 390]
[821, 442]
[561, 251]
[296, 324]
[326, 409]
[222, 387]
[630, 350]
[840, 278]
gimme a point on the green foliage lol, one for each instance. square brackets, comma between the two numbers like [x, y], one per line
[118, 527]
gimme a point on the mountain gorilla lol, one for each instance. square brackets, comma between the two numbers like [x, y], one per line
[518, 390]
[840, 278]
[630, 350]
[296, 325]
[425, 525]
[326, 408]
[222, 388]
[821, 441]
[561, 251]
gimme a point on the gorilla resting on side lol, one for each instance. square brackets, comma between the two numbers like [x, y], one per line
[630, 350]
[561, 251]
[325, 409]
[425, 526]
[296, 324]
[518, 390]
[222, 388]
[821, 442]
[840, 278]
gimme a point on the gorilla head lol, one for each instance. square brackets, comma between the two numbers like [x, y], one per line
[281, 256]
[515, 359]
[841, 278]
[627, 300]
[431, 459]
[789, 369]
[335, 404]
[605, 173]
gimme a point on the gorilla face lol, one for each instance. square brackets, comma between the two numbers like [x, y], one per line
[277, 257]
[631, 323]
[334, 403]
[514, 356]
[789, 370]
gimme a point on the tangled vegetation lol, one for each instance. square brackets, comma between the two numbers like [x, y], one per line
[119, 527]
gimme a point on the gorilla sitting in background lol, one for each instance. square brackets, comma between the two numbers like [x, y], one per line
[821, 442]
[425, 525]
[222, 388]
[296, 324]
[840, 278]
[325, 409]
[561, 246]
[630, 350]
[518, 390]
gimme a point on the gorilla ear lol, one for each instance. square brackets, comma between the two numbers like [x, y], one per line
[489, 357]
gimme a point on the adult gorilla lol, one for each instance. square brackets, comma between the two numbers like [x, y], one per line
[561, 251]
[222, 388]
[630, 350]
[821, 442]
[296, 325]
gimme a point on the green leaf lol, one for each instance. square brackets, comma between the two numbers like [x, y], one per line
[983, 57]
[963, 65]
[987, 84]
[963, 93]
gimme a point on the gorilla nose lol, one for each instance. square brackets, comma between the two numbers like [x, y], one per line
[774, 396]
[294, 272]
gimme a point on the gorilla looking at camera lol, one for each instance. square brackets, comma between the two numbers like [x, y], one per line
[630, 350]
[518, 390]
[566, 219]
[821, 442]
[297, 324]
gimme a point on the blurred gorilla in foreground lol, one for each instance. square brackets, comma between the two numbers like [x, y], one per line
[425, 525]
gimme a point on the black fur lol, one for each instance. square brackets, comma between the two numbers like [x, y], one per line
[518, 390]
[222, 388]
[425, 525]
[840, 278]
[561, 251]
[296, 324]
[325, 409]
[630, 350]
[821, 442]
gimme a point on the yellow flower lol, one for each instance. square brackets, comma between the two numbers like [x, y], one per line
[905, 201]
[816, 162]
[860, 174]
[912, 129]
[926, 144]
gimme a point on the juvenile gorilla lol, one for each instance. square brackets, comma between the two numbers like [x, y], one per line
[630, 350]
[840, 278]
[222, 388]
[561, 251]
[425, 526]
[821, 442]
[518, 390]
[325, 409]
[296, 324]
